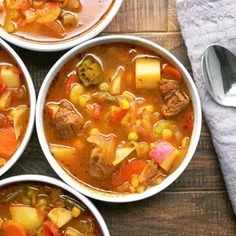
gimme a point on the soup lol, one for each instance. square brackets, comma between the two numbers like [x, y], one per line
[14, 107]
[118, 118]
[36, 209]
[51, 21]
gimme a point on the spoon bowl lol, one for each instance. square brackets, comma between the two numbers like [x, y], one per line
[219, 72]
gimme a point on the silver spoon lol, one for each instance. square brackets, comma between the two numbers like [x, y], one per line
[219, 72]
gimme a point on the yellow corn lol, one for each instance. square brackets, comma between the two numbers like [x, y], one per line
[132, 189]
[124, 104]
[134, 181]
[75, 212]
[140, 189]
[149, 108]
[167, 134]
[83, 100]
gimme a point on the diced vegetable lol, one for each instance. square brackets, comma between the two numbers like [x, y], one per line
[52, 109]
[8, 142]
[115, 85]
[164, 154]
[20, 118]
[126, 171]
[133, 136]
[122, 153]
[60, 216]
[142, 149]
[62, 152]
[124, 104]
[69, 82]
[94, 131]
[172, 73]
[28, 217]
[76, 91]
[48, 13]
[13, 228]
[148, 172]
[149, 108]
[2, 86]
[135, 181]
[50, 229]
[69, 20]
[167, 134]
[116, 114]
[10, 77]
[75, 212]
[83, 100]
[128, 95]
[5, 100]
[147, 72]
[103, 87]
[90, 71]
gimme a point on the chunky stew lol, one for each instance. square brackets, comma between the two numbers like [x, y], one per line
[31, 209]
[51, 20]
[14, 107]
[118, 118]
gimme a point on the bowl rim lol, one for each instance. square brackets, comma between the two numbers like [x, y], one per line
[59, 46]
[32, 97]
[60, 184]
[88, 191]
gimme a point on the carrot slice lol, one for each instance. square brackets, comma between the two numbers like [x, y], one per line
[126, 171]
[50, 229]
[8, 142]
[2, 86]
[171, 72]
[69, 82]
[13, 228]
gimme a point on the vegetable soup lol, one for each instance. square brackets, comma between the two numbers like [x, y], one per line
[118, 118]
[35, 209]
[14, 107]
[51, 20]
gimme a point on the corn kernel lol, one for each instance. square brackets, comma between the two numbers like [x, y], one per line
[134, 181]
[75, 212]
[138, 122]
[129, 96]
[83, 100]
[149, 108]
[94, 131]
[124, 104]
[133, 136]
[103, 87]
[167, 134]
[152, 145]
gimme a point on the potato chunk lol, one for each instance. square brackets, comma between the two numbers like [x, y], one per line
[60, 216]
[147, 72]
[26, 216]
[63, 152]
[10, 77]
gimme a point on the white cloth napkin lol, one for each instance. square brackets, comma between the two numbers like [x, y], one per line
[205, 22]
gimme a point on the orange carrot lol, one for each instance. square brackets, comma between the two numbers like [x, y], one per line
[68, 83]
[13, 228]
[50, 229]
[2, 86]
[171, 72]
[8, 142]
[126, 171]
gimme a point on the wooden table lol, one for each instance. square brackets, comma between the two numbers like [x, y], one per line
[197, 203]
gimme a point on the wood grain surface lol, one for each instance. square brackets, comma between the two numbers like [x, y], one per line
[197, 203]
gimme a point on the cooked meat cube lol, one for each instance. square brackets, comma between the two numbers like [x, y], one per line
[102, 155]
[168, 88]
[99, 169]
[67, 121]
[175, 104]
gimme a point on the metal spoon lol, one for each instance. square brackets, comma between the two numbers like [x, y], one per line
[219, 72]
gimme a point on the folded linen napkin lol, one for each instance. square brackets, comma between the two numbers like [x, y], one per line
[205, 22]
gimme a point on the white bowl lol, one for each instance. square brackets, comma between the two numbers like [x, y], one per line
[32, 98]
[52, 181]
[88, 191]
[50, 47]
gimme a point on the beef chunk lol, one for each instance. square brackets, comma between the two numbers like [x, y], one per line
[102, 155]
[175, 100]
[67, 121]
[168, 88]
[99, 169]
